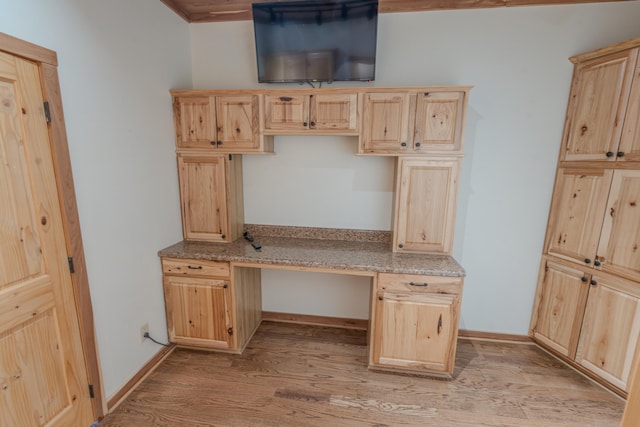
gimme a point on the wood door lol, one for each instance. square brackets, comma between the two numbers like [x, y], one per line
[631, 417]
[610, 329]
[43, 376]
[439, 124]
[630, 142]
[199, 311]
[385, 123]
[619, 248]
[204, 195]
[559, 306]
[576, 215]
[598, 102]
[238, 125]
[195, 121]
[333, 112]
[416, 331]
[425, 205]
[286, 112]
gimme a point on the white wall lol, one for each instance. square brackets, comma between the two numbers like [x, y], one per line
[517, 60]
[117, 62]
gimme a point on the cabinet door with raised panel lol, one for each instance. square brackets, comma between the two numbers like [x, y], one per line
[597, 104]
[333, 112]
[199, 311]
[577, 212]
[630, 142]
[619, 248]
[439, 122]
[203, 197]
[195, 121]
[560, 301]
[610, 329]
[238, 127]
[425, 205]
[286, 112]
[385, 123]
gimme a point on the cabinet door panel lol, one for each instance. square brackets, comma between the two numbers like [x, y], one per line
[416, 331]
[237, 123]
[385, 123]
[630, 143]
[610, 330]
[203, 197]
[198, 311]
[577, 211]
[619, 248]
[426, 193]
[598, 102]
[560, 302]
[287, 112]
[195, 121]
[333, 112]
[439, 121]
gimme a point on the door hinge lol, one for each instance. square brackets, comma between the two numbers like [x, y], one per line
[91, 393]
[47, 111]
[72, 268]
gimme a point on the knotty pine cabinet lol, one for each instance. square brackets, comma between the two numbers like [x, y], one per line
[211, 199]
[311, 112]
[209, 305]
[413, 122]
[415, 323]
[224, 123]
[425, 204]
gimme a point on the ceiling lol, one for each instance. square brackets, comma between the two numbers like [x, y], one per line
[240, 10]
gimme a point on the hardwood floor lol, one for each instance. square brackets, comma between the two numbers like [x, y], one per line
[296, 375]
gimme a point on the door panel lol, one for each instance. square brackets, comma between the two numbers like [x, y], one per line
[439, 121]
[333, 112]
[385, 123]
[43, 376]
[195, 121]
[237, 121]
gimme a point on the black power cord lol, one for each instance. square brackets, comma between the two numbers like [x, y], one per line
[146, 335]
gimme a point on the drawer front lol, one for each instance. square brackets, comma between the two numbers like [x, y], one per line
[195, 268]
[419, 283]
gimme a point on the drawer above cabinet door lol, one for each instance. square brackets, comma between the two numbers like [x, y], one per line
[418, 283]
[195, 268]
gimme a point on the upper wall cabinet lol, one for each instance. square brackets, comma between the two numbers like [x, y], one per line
[226, 123]
[322, 113]
[413, 123]
[599, 110]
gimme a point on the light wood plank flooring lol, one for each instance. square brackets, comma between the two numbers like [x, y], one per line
[296, 375]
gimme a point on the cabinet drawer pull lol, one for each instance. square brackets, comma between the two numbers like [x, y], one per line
[286, 99]
[190, 267]
[425, 284]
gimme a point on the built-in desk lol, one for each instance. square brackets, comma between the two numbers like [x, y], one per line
[213, 295]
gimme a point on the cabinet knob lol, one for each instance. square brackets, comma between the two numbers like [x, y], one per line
[219, 142]
[584, 279]
[593, 282]
[620, 154]
[305, 124]
[401, 246]
[609, 154]
[213, 142]
[312, 124]
[380, 297]
[417, 144]
[596, 263]
[403, 144]
[225, 286]
[230, 331]
[587, 261]
[224, 236]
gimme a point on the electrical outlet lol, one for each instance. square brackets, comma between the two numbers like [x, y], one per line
[144, 329]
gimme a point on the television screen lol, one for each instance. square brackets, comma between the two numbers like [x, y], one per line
[310, 41]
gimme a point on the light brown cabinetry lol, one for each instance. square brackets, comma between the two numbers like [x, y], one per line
[208, 306]
[311, 112]
[413, 122]
[415, 325]
[211, 196]
[224, 123]
[425, 204]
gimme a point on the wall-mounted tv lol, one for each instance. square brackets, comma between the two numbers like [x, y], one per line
[316, 40]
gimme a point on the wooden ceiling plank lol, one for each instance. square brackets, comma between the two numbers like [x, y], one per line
[176, 6]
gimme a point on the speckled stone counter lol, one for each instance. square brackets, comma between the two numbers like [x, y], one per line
[334, 249]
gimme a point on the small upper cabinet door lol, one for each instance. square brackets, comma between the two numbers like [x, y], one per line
[439, 120]
[333, 112]
[597, 106]
[619, 248]
[195, 121]
[577, 211]
[237, 123]
[385, 123]
[425, 205]
[286, 112]
[630, 143]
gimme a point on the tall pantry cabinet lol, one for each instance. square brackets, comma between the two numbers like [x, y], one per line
[587, 306]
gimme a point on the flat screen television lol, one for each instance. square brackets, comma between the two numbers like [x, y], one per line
[316, 40]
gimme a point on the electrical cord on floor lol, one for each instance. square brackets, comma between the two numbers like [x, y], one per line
[146, 335]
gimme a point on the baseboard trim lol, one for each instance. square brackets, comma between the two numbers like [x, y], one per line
[309, 319]
[147, 369]
[494, 336]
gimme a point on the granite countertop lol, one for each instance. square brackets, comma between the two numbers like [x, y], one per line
[355, 250]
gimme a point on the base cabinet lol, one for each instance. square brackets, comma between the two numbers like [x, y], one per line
[415, 326]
